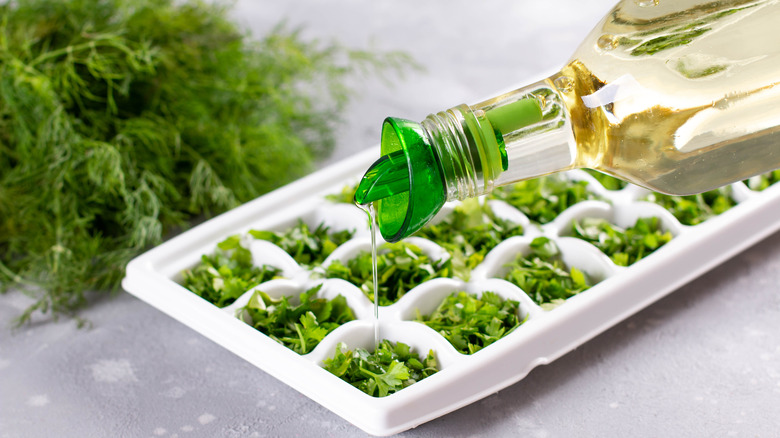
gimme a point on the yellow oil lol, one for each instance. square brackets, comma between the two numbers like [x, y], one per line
[682, 95]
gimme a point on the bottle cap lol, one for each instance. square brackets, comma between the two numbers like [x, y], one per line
[406, 183]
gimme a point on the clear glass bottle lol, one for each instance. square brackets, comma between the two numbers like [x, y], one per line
[677, 96]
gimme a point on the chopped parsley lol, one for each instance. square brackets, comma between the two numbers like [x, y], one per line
[469, 233]
[389, 369]
[543, 275]
[623, 246]
[761, 182]
[543, 199]
[401, 267]
[345, 196]
[308, 247]
[226, 274]
[609, 182]
[695, 209]
[471, 323]
[299, 328]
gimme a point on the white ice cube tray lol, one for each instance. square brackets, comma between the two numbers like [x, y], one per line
[546, 335]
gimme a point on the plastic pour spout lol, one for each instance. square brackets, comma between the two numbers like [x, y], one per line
[407, 184]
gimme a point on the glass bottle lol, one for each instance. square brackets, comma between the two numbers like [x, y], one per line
[677, 96]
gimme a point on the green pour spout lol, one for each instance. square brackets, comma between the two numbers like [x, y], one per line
[388, 176]
[407, 183]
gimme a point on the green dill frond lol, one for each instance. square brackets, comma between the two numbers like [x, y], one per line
[120, 120]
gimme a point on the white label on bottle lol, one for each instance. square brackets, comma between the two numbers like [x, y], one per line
[621, 88]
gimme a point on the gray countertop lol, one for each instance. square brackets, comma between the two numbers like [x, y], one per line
[704, 361]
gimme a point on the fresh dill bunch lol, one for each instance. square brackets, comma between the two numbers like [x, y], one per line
[121, 120]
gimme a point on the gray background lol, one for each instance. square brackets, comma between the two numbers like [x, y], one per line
[704, 361]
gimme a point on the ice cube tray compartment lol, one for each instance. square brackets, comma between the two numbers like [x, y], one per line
[544, 336]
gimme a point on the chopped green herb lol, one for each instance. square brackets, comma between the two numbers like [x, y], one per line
[346, 196]
[469, 233]
[695, 209]
[761, 182]
[307, 247]
[543, 199]
[609, 182]
[471, 323]
[401, 267]
[226, 274]
[389, 369]
[299, 328]
[543, 275]
[623, 246]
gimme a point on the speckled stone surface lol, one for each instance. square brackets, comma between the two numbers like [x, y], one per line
[704, 361]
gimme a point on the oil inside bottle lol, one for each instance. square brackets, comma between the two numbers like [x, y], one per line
[692, 86]
[680, 97]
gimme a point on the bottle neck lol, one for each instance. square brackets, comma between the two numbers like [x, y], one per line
[500, 141]
[458, 148]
